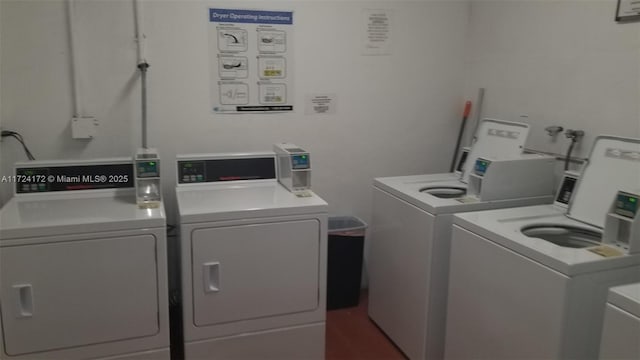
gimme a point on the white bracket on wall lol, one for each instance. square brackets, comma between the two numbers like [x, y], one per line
[84, 127]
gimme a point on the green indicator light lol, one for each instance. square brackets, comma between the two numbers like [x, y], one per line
[152, 163]
[304, 156]
[632, 200]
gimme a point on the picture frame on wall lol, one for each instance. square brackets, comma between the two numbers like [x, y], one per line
[628, 10]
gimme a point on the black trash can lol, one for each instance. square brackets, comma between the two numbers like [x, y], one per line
[344, 265]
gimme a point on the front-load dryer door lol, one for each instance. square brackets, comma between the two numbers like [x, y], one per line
[69, 294]
[255, 271]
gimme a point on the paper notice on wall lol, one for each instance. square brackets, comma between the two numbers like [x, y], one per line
[320, 104]
[250, 57]
[629, 8]
[376, 34]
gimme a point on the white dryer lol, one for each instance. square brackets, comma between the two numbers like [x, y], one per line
[253, 261]
[83, 270]
[411, 229]
[621, 330]
[532, 282]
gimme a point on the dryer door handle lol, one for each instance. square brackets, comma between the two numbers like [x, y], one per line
[24, 300]
[211, 277]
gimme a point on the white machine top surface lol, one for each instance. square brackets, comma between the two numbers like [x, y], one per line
[504, 228]
[626, 297]
[408, 189]
[75, 212]
[496, 139]
[239, 200]
[614, 164]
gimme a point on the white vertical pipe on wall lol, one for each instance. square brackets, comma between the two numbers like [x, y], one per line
[142, 65]
[140, 36]
[73, 55]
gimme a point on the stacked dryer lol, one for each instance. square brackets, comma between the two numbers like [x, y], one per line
[253, 261]
[83, 271]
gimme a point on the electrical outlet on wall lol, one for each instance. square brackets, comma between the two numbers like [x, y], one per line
[84, 127]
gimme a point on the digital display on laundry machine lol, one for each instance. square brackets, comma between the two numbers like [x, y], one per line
[300, 161]
[481, 166]
[627, 205]
[191, 172]
[147, 168]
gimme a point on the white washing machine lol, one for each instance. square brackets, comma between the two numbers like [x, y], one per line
[253, 261]
[83, 270]
[532, 282]
[621, 330]
[411, 227]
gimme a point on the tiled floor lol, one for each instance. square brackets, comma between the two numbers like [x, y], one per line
[352, 336]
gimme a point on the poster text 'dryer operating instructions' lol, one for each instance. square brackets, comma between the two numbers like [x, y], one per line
[251, 61]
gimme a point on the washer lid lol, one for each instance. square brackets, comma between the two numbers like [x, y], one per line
[496, 139]
[614, 164]
[74, 213]
[627, 298]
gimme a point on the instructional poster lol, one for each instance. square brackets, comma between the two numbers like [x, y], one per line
[377, 26]
[250, 54]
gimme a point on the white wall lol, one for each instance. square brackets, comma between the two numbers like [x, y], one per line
[393, 110]
[397, 114]
[559, 62]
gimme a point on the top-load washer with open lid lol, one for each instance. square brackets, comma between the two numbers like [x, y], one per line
[411, 227]
[532, 282]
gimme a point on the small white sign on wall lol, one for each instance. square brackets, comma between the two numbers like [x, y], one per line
[628, 10]
[320, 104]
[377, 26]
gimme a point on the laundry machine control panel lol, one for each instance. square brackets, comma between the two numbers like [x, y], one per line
[528, 175]
[627, 204]
[147, 168]
[622, 224]
[50, 178]
[481, 166]
[191, 171]
[232, 168]
[294, 167]
[300, 161]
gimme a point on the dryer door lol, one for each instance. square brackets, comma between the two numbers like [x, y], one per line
[255, 271]
[70, 294]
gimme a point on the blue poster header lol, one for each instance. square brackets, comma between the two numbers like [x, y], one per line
[251, 16]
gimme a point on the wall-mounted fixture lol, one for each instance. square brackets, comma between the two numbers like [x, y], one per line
[554, 130]
[84, 127]
[574, 136]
